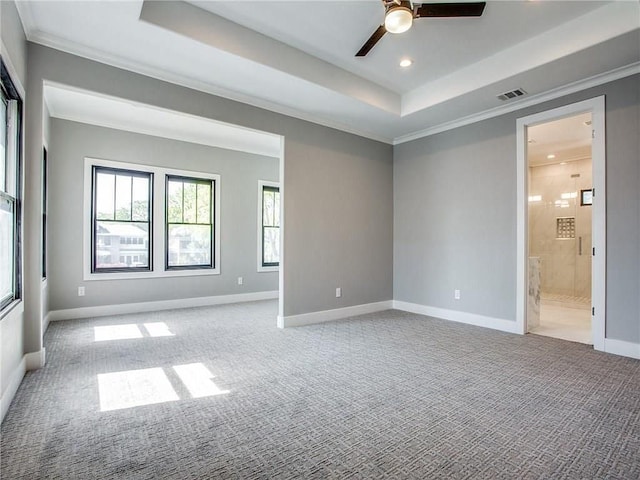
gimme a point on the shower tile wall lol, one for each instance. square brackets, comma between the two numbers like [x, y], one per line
[563, 270]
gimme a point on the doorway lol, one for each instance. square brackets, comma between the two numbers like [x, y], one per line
[560, 183]
[561, 223]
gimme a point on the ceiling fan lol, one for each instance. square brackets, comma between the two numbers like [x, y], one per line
[399, 16]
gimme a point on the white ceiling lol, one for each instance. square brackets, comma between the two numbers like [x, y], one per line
[566, 139]
[297, 57]
[88, 107]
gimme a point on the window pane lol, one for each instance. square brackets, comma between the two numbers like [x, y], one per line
[123, 197]
[3, 142]
[189, 245]
[190, 192]
[267, 208]
[204, 203]
[6, 249]
[122, 244]
[276, 209]
[105, 195]
[174, 201]
[140, 199]
[271, 246]
[10, 128]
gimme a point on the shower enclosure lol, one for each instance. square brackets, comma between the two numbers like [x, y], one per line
[560, 229]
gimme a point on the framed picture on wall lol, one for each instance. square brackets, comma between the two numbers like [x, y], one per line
[586, 197]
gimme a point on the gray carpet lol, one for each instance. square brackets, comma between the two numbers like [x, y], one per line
[387, 395]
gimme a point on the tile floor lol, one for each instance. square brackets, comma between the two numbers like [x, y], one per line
[568, 320]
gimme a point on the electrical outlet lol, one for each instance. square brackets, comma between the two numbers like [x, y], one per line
[240, 281]
[456, 294]
[81, 291]
[338, 292]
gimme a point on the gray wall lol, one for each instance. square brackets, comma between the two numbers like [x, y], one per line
[12, 325]
[14, 39]
[337, 187]
[239, 173]
[455, 213]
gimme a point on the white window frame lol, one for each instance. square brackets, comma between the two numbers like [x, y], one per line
[157, 236]
[261, 185]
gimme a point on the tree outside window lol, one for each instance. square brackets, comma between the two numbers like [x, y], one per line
[189, 228]
[270, 226]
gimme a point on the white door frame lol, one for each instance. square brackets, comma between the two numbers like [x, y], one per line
[595, 106]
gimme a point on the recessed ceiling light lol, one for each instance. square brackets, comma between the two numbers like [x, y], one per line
[551, 156]
[406, 62]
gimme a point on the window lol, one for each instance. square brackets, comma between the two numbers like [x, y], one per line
[269, 234]
[144, 221]
[10, 139]
[189, 225]
[44, 213]
[121, 220]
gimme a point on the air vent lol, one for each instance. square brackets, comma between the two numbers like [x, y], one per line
[518, 92]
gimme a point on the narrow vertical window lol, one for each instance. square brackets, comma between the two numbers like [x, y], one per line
[270, 226]
[189, 224]
[10, 137]
[44, 213]
[121, 220]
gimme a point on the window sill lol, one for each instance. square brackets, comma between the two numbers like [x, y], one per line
[14, 308]
[147, 275]
[268, 269]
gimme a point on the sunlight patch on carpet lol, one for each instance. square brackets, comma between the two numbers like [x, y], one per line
[197, 378]
[105, 333]
[116, 332]
[158, 329]
[134, 388]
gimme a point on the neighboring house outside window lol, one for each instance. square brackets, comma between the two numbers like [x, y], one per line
[122, 204]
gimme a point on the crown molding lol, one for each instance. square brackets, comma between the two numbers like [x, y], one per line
[57, 43]
[565, 90]
[36, 36]
[26, 17]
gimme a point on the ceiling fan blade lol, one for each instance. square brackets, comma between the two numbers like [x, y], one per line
[373, 39]
[468, 9]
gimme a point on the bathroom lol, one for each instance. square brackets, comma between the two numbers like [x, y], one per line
[560, 182]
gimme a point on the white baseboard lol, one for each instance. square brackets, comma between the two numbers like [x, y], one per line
[12, 387]
[35, 360]
[105, 310]
[45, 322]
[335, 314]
[30, 361]
[457, 316]
[620, 347]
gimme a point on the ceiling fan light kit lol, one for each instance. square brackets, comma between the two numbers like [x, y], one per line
[398, 19]
[399, 16]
